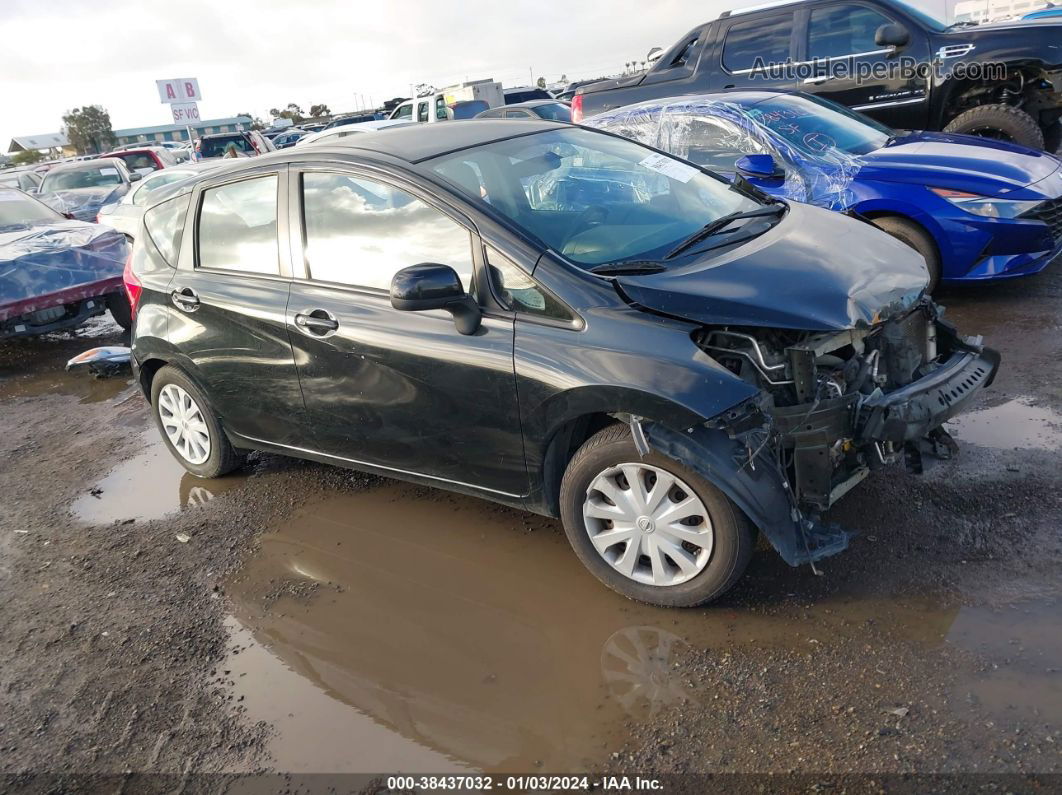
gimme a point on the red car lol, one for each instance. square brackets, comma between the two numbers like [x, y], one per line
[145, 160]
[56, 272]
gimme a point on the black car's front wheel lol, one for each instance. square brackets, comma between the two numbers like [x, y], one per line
[650, 528]
[189, 426]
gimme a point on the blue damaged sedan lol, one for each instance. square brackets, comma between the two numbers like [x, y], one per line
[976, 209]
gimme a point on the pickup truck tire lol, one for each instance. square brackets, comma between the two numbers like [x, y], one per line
[1000, 122]
[721, 558]
[1053, 137]
[118, 304]
[917, 238]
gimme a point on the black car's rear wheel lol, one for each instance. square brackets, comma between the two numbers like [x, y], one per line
[189, 426]
[650, 528]
[1000, 123]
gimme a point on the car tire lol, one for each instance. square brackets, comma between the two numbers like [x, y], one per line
[118, 305]
[1053, 137]
[917, 238]
[1000, 122]
[189, 427]
[724, 538]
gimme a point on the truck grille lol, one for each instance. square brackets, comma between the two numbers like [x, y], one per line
[1050, 212]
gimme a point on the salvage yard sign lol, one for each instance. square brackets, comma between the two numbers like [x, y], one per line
[182, 95]
[184, 89]
[185, 112]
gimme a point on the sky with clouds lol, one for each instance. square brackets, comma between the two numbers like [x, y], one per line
[252, 55]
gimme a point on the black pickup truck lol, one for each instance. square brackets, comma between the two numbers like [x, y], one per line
[855, 53]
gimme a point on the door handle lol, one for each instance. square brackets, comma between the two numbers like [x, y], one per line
[316, 322]
[814, 81]
[185, 298]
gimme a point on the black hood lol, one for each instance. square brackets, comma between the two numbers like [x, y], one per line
[815, 270]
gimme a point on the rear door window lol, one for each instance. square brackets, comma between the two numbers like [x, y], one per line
[767, 39]
[238, 227]
[405, 112]
[422, 111]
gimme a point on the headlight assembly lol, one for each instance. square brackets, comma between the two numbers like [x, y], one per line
[985, 206]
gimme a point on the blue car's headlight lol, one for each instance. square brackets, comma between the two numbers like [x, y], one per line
[985, 206]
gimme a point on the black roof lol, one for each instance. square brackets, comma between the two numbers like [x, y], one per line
[422, 141]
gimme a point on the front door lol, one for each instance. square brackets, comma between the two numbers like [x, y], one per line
[851, 69]
[402, 391]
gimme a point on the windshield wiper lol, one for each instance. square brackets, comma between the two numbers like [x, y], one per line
[629, 268]
[714, 227]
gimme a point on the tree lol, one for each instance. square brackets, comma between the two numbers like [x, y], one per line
[293, 112]
[541, 82]
[27, 157]
[320, 110]
[88, 129]
[564, 79]
[256, 123]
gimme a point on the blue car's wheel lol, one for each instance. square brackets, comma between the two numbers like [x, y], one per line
[918, 239]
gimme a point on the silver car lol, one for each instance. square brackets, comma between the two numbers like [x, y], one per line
[125, 215]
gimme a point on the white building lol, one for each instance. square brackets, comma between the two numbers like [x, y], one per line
[981, 11]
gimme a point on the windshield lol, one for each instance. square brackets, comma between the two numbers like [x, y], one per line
[18, 209]
[931, 21]
[592, 197]
[216, 147]
[554, 112]
[815, 126]
[95, 176]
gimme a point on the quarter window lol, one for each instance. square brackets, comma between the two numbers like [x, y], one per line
[518, 292]
[767, 39]
[422, 111]
[843, 30]
[238, 227]
[360, 232]
[165, 226]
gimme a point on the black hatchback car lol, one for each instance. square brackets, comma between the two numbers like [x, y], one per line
[554, 318]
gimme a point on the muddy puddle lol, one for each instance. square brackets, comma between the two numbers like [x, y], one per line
[148, 485]
[1015, 424]
[1021, 646]
[402, 628]
[77, 384]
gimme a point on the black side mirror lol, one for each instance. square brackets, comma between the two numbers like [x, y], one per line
[761, 166]
[135, 176]
[892, 36]
[433, 286]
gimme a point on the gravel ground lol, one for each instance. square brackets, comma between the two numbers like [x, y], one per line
[931, 646]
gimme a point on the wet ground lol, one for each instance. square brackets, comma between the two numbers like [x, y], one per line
[301, 618]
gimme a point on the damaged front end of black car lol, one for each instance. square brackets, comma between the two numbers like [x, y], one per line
[867, 385]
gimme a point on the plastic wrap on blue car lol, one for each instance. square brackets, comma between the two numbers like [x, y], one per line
[63, 261]
[713, 134]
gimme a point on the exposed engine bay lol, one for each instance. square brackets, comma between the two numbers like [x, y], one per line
[838, 405]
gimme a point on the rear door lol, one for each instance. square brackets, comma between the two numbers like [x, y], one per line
[399, 390]
[837, 40]
[754, 50]
[230, 295]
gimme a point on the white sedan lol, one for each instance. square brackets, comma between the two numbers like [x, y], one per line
[335, 133]
[125, 215]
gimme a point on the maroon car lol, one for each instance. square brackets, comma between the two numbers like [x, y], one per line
[56, 272]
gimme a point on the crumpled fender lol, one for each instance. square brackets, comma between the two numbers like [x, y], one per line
[745, 470]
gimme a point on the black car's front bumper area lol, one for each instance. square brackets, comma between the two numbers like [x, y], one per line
[911, 412]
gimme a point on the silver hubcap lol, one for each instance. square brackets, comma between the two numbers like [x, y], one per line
[183, 422]
[648, 525]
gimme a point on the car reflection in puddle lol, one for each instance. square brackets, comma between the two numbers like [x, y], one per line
[406, 618]
[147, 486]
